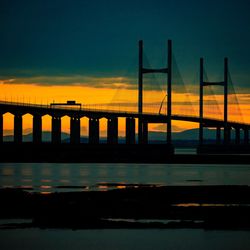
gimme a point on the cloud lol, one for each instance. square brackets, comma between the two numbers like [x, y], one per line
[72, 80]
[242, 98]
[117, 81]
[7, 81]
[114, 82]
[94, 81]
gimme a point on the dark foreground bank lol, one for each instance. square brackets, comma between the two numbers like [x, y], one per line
[209, 207]
[121, 153]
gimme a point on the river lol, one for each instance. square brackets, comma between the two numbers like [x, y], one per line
[50, 177]
[84, 177]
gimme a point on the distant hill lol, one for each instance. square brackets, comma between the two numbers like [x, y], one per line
[28, 137]
[190, 134]
[186, 135]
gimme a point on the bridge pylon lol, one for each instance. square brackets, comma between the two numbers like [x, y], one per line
[223, 84]
[142, 124]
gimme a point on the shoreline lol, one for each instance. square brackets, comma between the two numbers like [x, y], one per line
[173, 159]
[207, 207]
[121, 153]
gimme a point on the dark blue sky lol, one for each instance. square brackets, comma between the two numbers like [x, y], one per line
[63, 37]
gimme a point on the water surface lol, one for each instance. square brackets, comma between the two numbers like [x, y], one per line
[150, 239]
[61, 177]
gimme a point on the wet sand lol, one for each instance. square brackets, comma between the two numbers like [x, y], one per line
[209, 207]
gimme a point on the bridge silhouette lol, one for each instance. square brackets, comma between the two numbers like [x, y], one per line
[144, 118]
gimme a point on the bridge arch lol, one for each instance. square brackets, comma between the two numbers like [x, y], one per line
[46, 127]
[103, 129]
[27, 127]
[84, 129]
[121, 129]
[8, 126]
[65, 128]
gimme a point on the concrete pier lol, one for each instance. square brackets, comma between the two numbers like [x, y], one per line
[1, 128]
[227, 135]
[18, 128]
[237, 135]
[145, 133]
[112, 133]
[94, 133]
[218, 135]
[246, 136]
[140, 130]
[75, 130]
[130, 130]
[37, 128]
[56, 129]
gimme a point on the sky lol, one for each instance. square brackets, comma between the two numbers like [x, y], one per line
[58, 50]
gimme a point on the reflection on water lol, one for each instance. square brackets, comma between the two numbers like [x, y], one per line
[210, 205]
[46, 171]
[187, 151]
[7, 171]
[26, 171]
[48, 177]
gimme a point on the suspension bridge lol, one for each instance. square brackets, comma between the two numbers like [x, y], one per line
[224, 126]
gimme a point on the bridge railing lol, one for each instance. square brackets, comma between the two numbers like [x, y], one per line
[24, 104]
[83, 107]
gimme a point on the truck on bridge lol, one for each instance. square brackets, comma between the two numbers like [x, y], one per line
[68, 103]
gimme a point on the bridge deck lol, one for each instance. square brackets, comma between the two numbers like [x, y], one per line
[32, 109]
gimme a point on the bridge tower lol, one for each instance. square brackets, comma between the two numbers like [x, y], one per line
[142, 124]
[225, 85]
